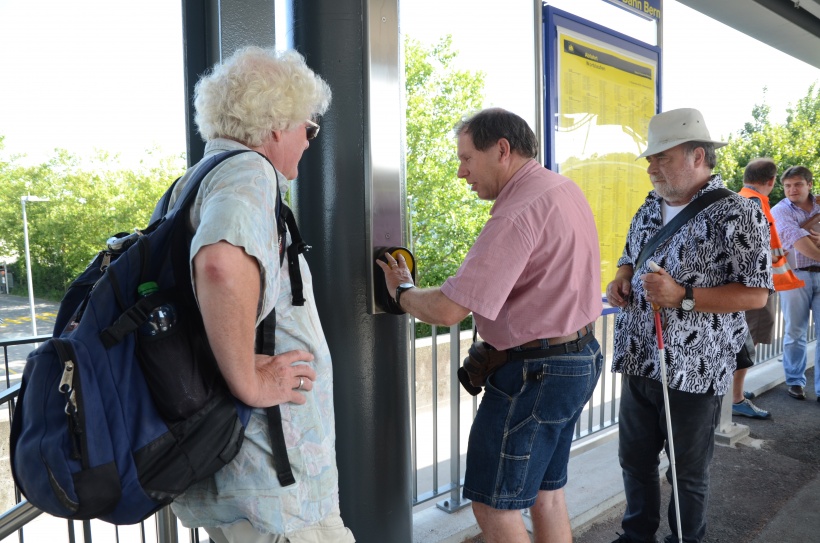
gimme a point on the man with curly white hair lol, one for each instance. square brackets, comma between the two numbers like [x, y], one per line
[265, 101]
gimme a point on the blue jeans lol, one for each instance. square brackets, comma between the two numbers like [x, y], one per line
[796, 305]
[521, 436]
[642, 435]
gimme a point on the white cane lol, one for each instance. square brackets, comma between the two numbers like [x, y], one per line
[659, 334]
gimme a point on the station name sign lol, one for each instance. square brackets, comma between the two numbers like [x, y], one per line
[648, 9]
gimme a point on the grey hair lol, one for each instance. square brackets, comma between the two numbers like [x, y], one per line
[256, 91]
[708, 151]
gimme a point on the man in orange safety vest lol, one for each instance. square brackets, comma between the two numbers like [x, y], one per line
[758, 182]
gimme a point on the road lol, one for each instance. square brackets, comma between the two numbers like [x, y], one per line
[15, 322]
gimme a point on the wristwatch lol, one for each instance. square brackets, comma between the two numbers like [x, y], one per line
[401, 288]
[688, 302]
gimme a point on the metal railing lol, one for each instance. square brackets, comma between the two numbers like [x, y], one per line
[440, 407]
[435, 477]
[444, 411]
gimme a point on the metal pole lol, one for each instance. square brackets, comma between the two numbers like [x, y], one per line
[23, 200]
[659, 39]
[540, 123]
[355, 47]
[167, 526]
[455, 502]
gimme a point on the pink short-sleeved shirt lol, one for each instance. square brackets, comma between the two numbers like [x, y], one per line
[535, 269]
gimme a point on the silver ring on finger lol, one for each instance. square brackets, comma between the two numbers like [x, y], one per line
[301, 383]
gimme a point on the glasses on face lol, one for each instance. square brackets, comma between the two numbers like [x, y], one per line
[311, 129]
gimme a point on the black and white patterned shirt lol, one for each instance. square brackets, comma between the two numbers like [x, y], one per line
[728, 242]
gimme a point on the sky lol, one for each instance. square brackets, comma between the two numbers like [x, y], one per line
[725, 86]
[107, 74]
[86, 74]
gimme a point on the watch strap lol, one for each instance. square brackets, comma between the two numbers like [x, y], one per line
[399, 289]
[689, 296]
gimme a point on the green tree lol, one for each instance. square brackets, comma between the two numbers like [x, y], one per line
[88, 202]
[796, 142]
[445, 216]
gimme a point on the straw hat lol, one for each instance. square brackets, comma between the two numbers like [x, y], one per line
[674, 127]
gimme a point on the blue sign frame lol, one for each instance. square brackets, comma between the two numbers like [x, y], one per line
[601, 89]
[553, 18]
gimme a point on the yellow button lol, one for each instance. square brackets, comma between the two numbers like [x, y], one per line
[408, 258]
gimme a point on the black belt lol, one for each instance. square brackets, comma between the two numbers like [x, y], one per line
[813, 269]
[584, 336]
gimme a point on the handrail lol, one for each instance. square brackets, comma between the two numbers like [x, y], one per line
[600, 413]
[17, 517]
[9, 394]
[25, 340]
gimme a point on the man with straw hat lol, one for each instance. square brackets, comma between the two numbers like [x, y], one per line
[711, 267]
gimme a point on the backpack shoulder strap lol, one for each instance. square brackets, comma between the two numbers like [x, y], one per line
[696, 206]
[162, 207]
[132, 317]
[190, 190]
[265, 343]
[297, 246]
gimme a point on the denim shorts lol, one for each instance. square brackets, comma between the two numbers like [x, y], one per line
[521, 436]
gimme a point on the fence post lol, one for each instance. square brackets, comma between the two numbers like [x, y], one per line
[455, 502]
[167, 526]
[728, 433]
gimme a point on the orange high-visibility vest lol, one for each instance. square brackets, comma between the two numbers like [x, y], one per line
[784, 277]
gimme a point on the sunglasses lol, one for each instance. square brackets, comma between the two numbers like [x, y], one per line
[311, 129]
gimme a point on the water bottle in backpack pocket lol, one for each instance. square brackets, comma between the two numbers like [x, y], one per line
[178, 364]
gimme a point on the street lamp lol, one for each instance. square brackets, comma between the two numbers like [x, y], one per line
[23, 200]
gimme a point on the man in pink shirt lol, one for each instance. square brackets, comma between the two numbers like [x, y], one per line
[532, 281]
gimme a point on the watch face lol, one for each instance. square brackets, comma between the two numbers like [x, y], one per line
[687, 304]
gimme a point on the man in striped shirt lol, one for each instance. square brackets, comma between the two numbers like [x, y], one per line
[790, 216]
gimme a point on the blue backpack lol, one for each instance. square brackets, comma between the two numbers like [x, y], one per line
[113, 425]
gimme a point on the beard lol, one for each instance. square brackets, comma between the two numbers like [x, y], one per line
[666, 190]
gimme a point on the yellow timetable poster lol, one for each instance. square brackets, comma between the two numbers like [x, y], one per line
[606, 97]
